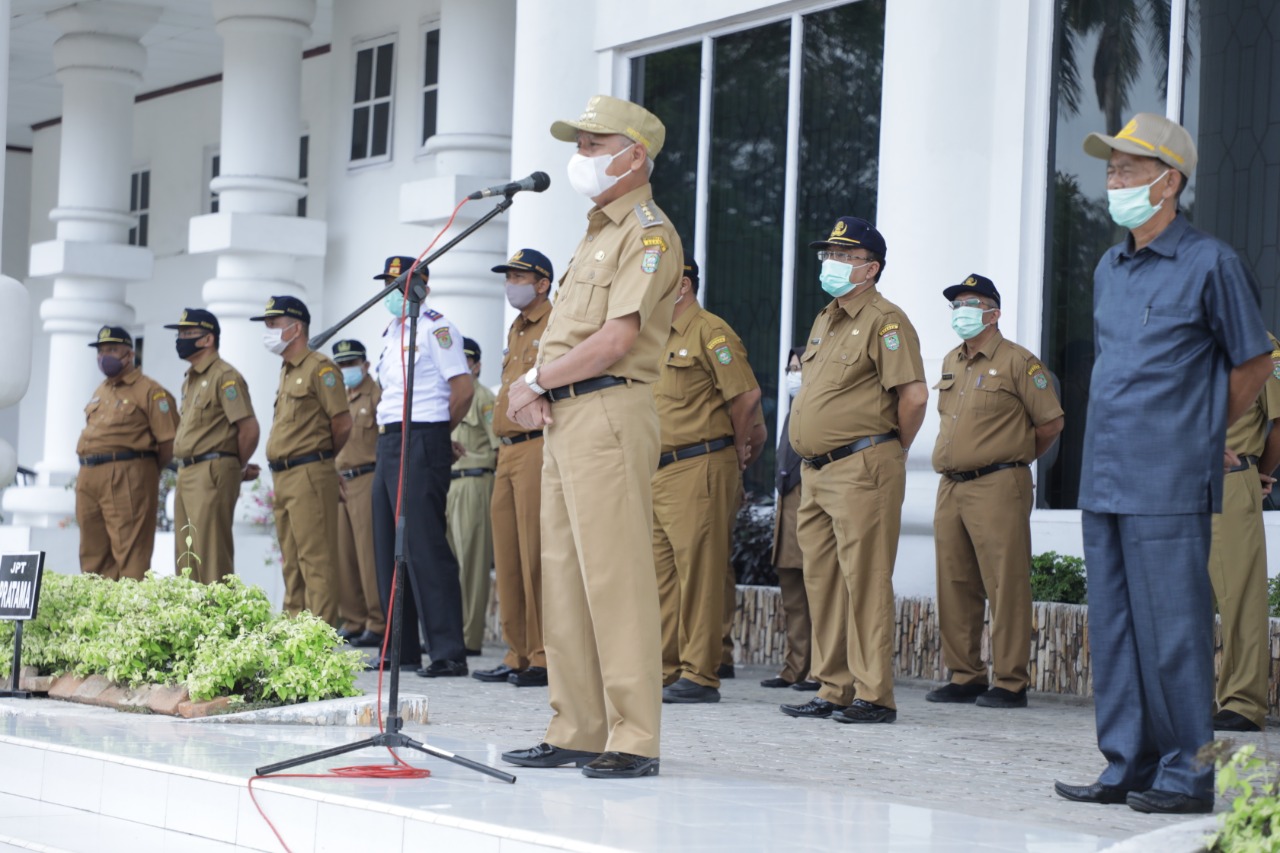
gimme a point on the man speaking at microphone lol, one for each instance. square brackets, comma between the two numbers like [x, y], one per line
[591, 394]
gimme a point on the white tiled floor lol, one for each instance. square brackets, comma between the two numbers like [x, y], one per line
[687, 808]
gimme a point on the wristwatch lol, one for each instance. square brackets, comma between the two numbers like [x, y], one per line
[531, 379]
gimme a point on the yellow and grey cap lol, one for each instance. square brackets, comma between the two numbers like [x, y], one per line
[605, 114]
[1148, 135]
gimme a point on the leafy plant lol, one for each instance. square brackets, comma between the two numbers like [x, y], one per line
[752, 552]
[1058, 578]
[1273, 595]
[1253, 823]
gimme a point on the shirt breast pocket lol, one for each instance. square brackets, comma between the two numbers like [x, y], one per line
[93, 412]
[849, 361]
[588, 299]
[295, 397]
[995, 393]
[946, 396]
[675, 376]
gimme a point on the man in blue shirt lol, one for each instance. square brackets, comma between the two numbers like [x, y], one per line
[1180, 353]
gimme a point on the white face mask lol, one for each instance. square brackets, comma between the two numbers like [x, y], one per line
[587, 175]
[793, 383]
[273, 340]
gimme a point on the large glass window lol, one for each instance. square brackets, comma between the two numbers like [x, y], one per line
[753, 161]
[140, 206]
[430, 81]
[371, 110]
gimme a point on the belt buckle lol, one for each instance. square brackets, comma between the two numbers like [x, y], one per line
[382, 429]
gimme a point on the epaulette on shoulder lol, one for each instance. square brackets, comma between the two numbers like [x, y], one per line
[648, 218]
[433, 315]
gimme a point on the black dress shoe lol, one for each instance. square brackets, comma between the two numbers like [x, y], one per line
[621, 765]
[444, 669]
[499, 673]
[817, 707]
[952, 692]
[807, 686]
[1098, 793]
[862, 711]
[776, 681]
[473, 653]
[998, 697]
[380, 663]
[546, 755]
[724, 670]
[1230, 721]
[349, 634]
[534, 676]
[367, 640]
[686, 692]
[1168, 802]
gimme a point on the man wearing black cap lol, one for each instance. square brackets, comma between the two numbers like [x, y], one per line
[127, 440]
[517, 491]
[467, 507]
[311, 425]
[998, 414]
[442, 391]
[859, 408]
[217, 436]
[358, 602]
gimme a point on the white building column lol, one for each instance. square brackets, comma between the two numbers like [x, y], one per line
[99, 60]
[256, 233]
[471, 150]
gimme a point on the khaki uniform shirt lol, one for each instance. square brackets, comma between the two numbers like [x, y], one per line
[214, 398]
[1248, 435]
[475, 433]
[705, 367]
[311, 394]
[362, 445]
[521, 354]
[855, 358]
[134, 413]
[990, 405]
[629, 262]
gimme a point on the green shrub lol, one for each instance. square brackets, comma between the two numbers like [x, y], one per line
[752, 550]
[1058, 578]
[1273, 595]
[219, 639]
[1253, 823]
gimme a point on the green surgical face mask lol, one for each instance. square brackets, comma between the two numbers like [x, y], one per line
[1131, 207]
[967, 322]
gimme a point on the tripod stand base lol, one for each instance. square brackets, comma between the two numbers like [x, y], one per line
[390, 740]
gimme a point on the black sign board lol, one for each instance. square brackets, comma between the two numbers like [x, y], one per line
[20, 585]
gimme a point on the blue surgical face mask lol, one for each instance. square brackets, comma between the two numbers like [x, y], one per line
[967, 322]
[352, 376]
[1131, 207]
[835, 277]
[394, 302]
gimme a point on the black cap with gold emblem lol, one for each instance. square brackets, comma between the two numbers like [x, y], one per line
[113, 335]
[197, 318]
[285, 306]
[346, 352]
[397, 265]
[853, 232]
[975, 283]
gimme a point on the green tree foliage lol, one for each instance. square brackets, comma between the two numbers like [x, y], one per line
[1058, 578]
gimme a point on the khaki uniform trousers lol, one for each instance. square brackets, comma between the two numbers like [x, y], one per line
[517, 551]
[1238, 572]
[358, 601]
[204, 506]
[600, 589]
[848, 523]
[694, 502]
[795, 604]
[306, 511]
[469, 535]
[982, 536]
[116, 513]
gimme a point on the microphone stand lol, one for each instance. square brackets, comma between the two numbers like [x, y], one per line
[392, 737]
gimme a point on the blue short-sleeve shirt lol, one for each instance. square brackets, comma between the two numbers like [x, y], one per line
[1170, 322]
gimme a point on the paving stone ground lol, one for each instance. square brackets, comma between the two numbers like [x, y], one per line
[962, 758]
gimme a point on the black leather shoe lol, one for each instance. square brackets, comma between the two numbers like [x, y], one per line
[621, 765]
[998, 697]
[686, 692]
[473, 653]
[444, 669]
[534, 676]
[349, 634]
[501, 672]
[776, 681]
[1097, 793]
[1167, 802]
[952, 692]
[367, 640]
[807, 686]
[725, 670]
[816, 707]
[546, 755]
[378, 663]
[864, 712]
[1230, 721]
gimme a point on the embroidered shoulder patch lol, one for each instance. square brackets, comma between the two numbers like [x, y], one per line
[433, 315]
[486, 412]
[648, 218]
[1036, 371]
[887, 328]
[723, 354]
[229, 391]
[655, 240]
[163, 406]
[649, 263]
[443, 337]
[159, 395]
[328, 376]
[716, 341]
[1275, 363]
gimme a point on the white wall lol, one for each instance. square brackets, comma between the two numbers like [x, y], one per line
[13, 258]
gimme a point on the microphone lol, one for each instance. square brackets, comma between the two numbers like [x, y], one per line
[537, 182]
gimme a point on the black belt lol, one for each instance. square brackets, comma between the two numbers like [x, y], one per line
[118, 456]
[1245, 462]
[383, 429]
[286, 464]
[469, 472]
[203, 457]
[694, 450]
[537, 433]
[586, 386]
[851, 448]
[358, 471]
[966, 476]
